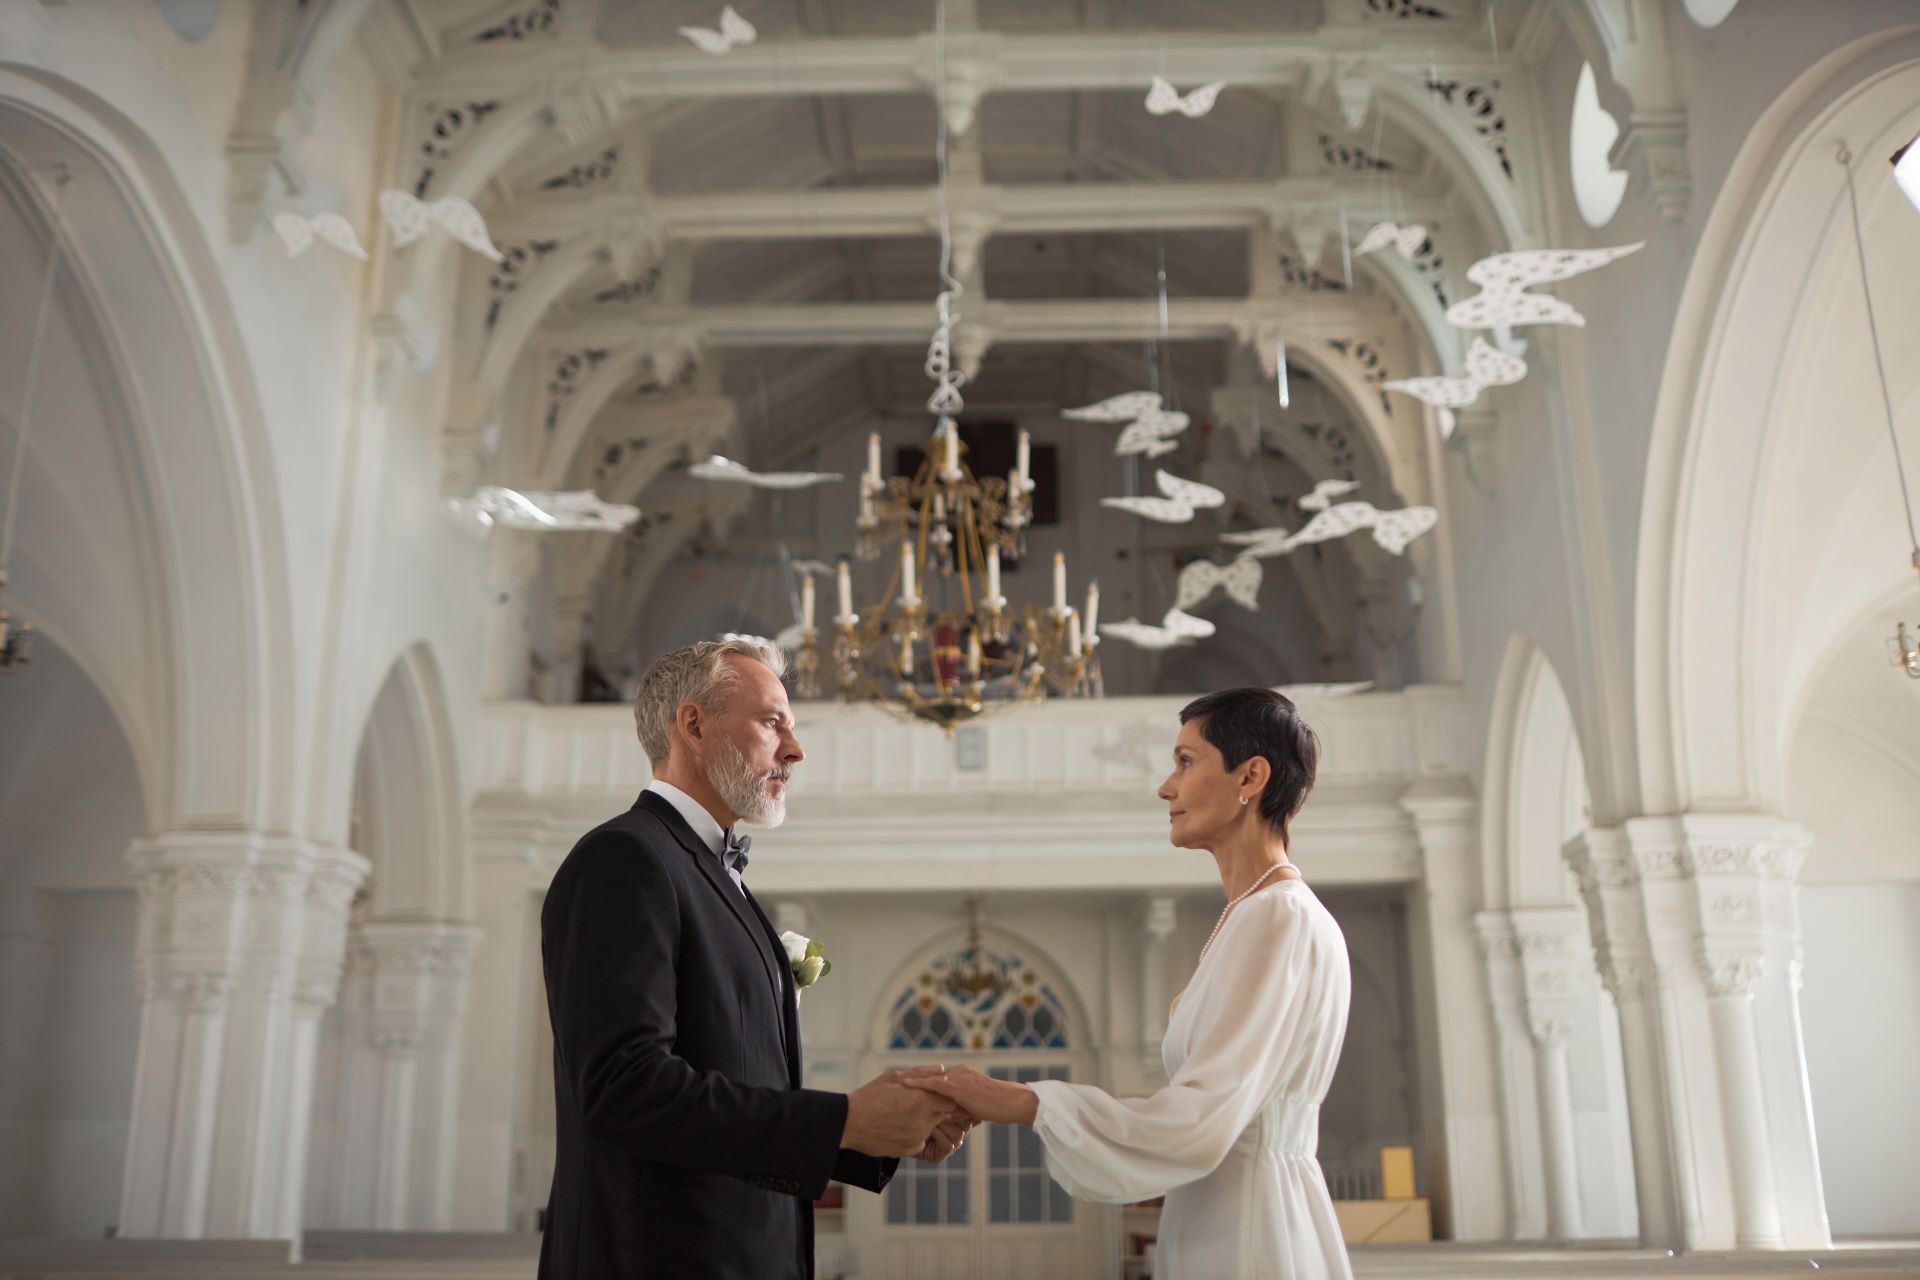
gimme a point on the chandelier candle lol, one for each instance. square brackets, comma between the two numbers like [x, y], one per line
[1060, 582]
[908, 596]
[1093, 612]
[806, 602]
[873, 457]
[846, 616]
[993, 577]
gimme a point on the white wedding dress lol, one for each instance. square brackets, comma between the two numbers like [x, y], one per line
[1250, 1050]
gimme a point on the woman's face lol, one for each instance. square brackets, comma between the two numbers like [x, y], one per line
[1203, 797]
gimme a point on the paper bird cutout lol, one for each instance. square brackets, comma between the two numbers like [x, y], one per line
[1163, 99]
[577, 511]
[297, 233]
[789, 639]
[1393, 530]
[1487, 366]
[734, 30]
[1406, 239]
[818, 568]
[1504, 278]
[1239, 577]
[1175, 629]
[727, 470]
[1325, 492]
[1183, 498]
[1149, 426]
[409, 219]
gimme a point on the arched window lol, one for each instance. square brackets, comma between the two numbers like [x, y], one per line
[977, 999]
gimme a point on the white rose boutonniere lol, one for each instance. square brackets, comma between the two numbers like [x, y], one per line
[807, 959]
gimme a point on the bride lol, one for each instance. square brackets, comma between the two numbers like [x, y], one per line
[1251, 1043]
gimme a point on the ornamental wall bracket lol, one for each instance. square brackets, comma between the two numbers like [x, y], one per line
[1652, 148]
[967, 81]
[580, 106]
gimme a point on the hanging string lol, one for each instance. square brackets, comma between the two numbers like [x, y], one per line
[1845, 157]
[33, 375]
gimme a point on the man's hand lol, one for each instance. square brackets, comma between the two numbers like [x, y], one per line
[887, 1117]
[946, 1138]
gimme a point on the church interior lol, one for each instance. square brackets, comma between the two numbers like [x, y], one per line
[1523, 386]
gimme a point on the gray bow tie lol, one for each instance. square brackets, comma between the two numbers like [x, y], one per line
[733, 852]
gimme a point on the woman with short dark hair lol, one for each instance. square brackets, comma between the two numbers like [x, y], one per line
[1251, 1043]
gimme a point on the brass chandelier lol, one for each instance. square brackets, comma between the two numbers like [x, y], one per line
[943, 645]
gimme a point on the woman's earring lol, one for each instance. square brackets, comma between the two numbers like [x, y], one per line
[1243, 799]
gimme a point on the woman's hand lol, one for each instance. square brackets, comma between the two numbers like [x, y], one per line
[981, 1096]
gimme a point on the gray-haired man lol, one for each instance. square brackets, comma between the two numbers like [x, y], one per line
[687, 1147]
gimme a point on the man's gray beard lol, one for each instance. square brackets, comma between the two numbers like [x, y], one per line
[743, 788]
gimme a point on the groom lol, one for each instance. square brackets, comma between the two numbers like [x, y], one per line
[687, 1147]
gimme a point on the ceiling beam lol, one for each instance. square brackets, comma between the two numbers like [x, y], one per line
[1004, 210]
[909, 323]
[977, 62]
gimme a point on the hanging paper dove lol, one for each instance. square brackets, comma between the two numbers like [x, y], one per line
[727, 470]
[297, 233]
[734, 31]
[1149, 426]
[1262, 543]
[1121, 408]
[1325, 492]
[818, 568]
[1164, 99]
[1176, 629]
[1393, 530]
[1406, 239]
[1183, 498]
[575, 511]
[1504, 278]
[1487, 366]
[1239, 577]
[409, 219]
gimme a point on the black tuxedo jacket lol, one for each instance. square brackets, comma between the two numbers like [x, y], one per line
[687, 1147]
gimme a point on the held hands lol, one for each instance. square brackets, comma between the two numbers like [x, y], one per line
[980, 1096]
[886, 1117]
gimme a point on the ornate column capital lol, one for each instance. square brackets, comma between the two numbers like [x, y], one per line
[1731, 974]
[1550, 1032]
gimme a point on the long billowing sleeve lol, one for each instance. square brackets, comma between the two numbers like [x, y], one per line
[1258, 1003]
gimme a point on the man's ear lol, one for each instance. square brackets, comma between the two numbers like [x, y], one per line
[691, 721]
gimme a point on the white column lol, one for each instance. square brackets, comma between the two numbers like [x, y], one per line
[1555, 1089]
[1730, 985]
[1695, 928]
[1520, 1112]
[1460, 1142]
[417, 982]
[1160, 920]
[222, 915]
[399, 1053]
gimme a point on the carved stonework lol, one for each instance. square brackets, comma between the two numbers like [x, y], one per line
[570, 369]
[1628, 978]
[583, 175]
[1480, 103]
[1652, 148]
[1550, 1032]
[398, 1042]
[1763, 861]
[1731, 909]
[1406, 9]
[446, 126]
[1351, 157]
[203, 992]
[1368, 358]
[1297, 277]
[538, 20]
[640, 286]
[1731, 975]
[507, 275]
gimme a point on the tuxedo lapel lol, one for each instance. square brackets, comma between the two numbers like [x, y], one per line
[789, 995]
[716, 876]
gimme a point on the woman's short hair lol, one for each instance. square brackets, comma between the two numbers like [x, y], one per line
[1243, 723]
[697, 673]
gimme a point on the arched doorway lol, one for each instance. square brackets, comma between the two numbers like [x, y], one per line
[990, 1210]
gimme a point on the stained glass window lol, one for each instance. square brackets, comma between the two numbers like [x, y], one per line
[975, 999]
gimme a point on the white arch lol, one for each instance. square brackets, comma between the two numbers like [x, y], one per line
[408, 796]
[186, 428]
[1535, 784]
[1754, 549]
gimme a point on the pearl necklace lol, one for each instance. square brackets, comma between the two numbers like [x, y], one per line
[1221, 922]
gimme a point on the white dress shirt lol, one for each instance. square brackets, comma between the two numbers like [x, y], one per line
[704, 824]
